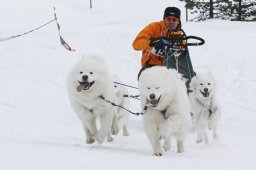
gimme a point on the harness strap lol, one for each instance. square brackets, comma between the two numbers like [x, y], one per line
[209, 108]
[163, 112]
[132, 96]
[189, 91]
[210, 111]
[144, 110]
[125, 85]
[113, 104]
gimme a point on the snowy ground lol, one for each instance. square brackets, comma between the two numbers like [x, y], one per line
[38, 128]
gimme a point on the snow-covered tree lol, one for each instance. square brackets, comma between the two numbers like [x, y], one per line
[242, 10]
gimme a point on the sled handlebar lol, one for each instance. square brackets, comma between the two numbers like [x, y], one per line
[201, 41]
[180, 39]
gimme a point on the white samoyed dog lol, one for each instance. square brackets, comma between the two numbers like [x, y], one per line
[166, 107]
[89, 86]
[122, 115]
[204, 104]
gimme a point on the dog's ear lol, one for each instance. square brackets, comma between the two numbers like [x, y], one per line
[211, 75]
[115, 77]
[192, 84]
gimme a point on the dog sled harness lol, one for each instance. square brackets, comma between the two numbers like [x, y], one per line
[116, 105]
[210, 108]
[163, 112]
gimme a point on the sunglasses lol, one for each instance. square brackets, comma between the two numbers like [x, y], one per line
[172, 19]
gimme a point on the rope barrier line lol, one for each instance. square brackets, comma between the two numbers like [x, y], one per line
[62, 41]
[19, 35]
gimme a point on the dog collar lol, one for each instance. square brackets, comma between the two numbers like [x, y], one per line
[163, 112]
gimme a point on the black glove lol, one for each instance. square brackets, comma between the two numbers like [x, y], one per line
[158, 44]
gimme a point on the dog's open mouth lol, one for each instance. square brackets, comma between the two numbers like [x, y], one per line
[205, 94]
[84, 86]
[153, 102]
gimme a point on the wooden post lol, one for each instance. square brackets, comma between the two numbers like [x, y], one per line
[186, 14]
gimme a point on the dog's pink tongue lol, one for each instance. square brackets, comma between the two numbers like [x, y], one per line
[80, 88]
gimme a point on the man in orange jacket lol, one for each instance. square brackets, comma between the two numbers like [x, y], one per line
[152, 50]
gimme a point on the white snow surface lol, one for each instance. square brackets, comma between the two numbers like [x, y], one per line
[38, 128]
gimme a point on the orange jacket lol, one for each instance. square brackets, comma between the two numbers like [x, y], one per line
[141, 42]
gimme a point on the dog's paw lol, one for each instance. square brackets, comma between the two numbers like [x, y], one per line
[158, 154]
[110, 139]
[166, 146]
[99, 138]
[180, 150]
[126, 133]
[90, 140]
[199, 140]
[162, 134]
[114, 130]
[161, 137]
[180, 146]
[215, 136]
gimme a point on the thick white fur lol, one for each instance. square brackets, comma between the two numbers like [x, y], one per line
[177, 122]
[122, 115]
[201, 105]
[87, 103]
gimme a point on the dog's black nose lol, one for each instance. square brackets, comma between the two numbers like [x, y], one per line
[205, 89]
[85, 77]
[152, 96]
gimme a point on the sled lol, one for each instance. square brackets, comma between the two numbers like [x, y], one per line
[176, 53]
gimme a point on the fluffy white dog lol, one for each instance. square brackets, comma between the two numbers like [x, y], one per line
[122, 115]
[166, 107]
[204, 105]
[89, 86]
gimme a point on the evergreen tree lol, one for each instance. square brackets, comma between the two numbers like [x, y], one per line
[244, 10]
[241, 10]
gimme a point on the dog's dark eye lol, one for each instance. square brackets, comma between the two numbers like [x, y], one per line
[201, 84]
[91, 72]
[148, 88]
[115, 86]
[81, 72]
[209, 84]
[157, 87]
